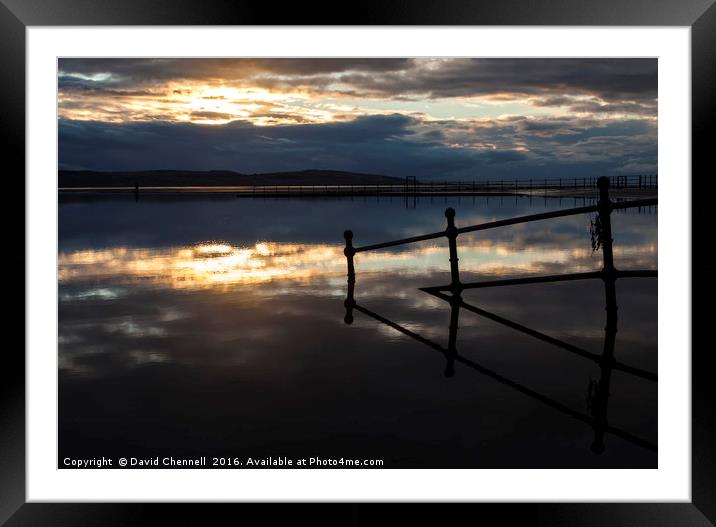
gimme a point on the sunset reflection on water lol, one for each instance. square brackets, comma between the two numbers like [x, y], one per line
[218, 264]
[226, 333]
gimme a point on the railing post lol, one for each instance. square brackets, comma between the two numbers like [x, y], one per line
[606, 362]
[605, 208]
[349, 252]
[451, 234]
[609, 274]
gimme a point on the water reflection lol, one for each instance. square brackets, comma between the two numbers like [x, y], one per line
[200, 266]
[221, 264]
[199, 325]
[598, 391]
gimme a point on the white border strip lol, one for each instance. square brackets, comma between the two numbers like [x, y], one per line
[670, 482]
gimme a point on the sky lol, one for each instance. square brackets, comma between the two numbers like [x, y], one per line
[433, 118]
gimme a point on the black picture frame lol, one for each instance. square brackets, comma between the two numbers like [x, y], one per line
[699, 15]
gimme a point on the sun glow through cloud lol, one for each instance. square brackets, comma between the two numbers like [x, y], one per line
[487, 116]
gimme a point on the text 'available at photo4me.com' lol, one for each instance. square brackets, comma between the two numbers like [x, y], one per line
[216, 462]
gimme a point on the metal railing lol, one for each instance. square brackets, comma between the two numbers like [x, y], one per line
[604, 208]
[413, 187]
[410, 187]
[608, 274]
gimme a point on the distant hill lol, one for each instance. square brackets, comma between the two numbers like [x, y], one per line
[216, 178]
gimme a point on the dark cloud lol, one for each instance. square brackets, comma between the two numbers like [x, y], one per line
[149, 70]
[503, 156]
[611, 79]
[628, 80]
[593, 105]
[395, 144]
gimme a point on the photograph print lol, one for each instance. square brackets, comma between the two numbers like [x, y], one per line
[357, 263]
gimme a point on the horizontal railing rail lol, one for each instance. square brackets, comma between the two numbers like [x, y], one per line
[509, 221]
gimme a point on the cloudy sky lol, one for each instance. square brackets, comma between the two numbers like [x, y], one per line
[433, 118]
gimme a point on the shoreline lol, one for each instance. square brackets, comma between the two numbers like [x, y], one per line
[359, 191]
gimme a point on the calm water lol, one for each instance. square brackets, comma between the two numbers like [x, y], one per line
[208, 325]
